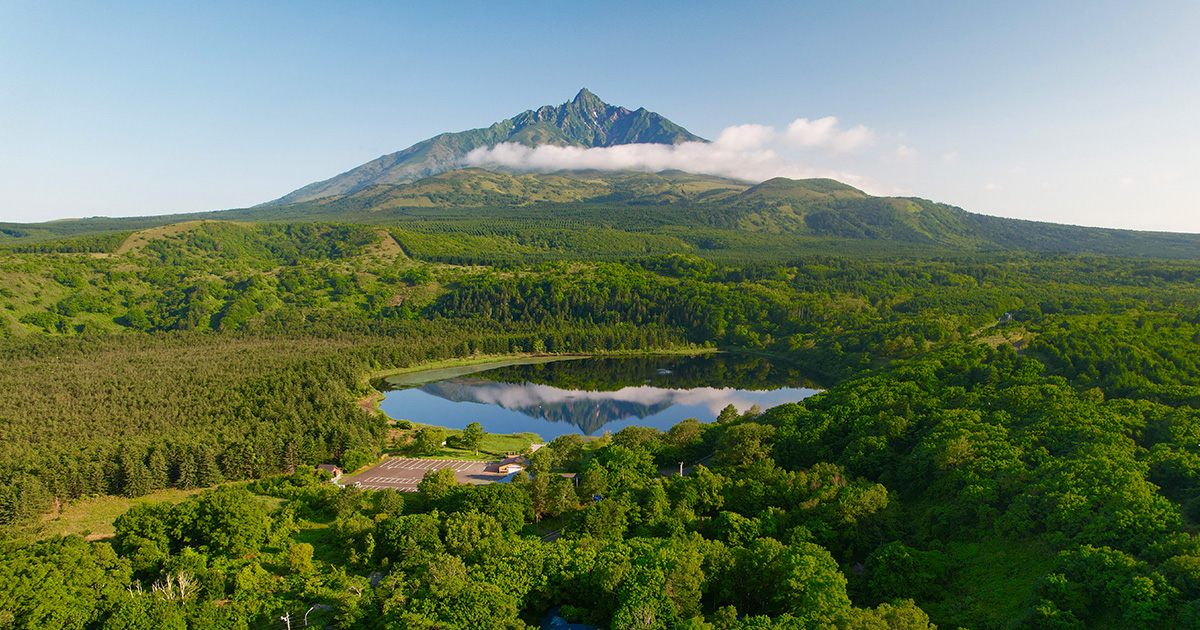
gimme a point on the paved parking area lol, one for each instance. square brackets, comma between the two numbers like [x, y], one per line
[404, 473]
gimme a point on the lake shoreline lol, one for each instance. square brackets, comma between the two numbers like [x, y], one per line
[587, 393]
[369, 404]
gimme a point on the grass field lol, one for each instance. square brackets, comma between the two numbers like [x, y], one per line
[498, 444]
[494, 446]
[93, 517]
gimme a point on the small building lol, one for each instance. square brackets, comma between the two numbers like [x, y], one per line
[510, 465]
[331, 469]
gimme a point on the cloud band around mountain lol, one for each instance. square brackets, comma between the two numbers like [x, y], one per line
[749, 152]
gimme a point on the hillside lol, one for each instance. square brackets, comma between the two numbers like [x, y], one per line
[774, 209]
[964, 468]
[488, 215]
[585, 121]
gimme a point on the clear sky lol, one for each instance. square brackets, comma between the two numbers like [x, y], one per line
[1076, 112]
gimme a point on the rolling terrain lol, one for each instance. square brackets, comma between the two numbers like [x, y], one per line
[496, 215]
[1008, 439]
[437, 208]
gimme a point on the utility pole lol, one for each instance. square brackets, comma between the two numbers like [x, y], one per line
[680, 469]
[287, 618]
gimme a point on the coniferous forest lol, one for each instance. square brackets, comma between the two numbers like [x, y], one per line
[1006, 439]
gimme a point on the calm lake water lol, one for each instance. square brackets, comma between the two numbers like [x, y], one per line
[552, 397]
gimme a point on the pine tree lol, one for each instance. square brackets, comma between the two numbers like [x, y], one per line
[291, 458]
[207, 471]
[134, 476]
[157, 465]
[188, 475]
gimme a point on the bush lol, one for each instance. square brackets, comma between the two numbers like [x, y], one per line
[356, 458]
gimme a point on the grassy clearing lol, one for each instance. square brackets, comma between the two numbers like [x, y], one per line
[499, 444]
[93, 518]
[996, 336]
[495, 445]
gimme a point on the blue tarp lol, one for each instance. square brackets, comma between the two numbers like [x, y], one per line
[553, 622]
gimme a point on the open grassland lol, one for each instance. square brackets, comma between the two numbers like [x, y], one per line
[92, 517]
[494, 446]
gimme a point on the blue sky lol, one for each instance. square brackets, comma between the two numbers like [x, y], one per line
[1080, 112]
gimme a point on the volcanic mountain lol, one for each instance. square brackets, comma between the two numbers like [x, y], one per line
[585, 121]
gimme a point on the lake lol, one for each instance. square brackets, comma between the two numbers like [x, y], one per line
[552, 396]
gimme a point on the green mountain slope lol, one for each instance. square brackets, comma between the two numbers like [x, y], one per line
[821, 208]
[585, 121]
[496, 212]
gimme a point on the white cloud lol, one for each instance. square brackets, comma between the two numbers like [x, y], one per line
[950, 157]
[823, 133]
[1165, 177]
[516, 397]
[903, 153]
[750, 152]
[739, 153]
[744, 137]
[993, 187]
[1128, 181]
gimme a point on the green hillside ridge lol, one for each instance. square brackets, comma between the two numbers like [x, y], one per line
[474, 187]
[821, 208]
[703, 214]
[585, 121]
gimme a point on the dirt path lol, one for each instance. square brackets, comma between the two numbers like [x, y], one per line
[370, 403]
[387, 246]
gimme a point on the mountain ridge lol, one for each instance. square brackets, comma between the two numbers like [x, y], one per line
[584, 121]
[678, 211]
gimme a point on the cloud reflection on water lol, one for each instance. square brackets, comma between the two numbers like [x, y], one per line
[591, 396]
[593, 411]
[530, 395]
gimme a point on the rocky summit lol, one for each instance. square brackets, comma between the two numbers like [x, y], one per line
[584, 121]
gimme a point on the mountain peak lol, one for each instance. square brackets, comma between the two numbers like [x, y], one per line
[585, 95]
[585, 121]
[586, 101]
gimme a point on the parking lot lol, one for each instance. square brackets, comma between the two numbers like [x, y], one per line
[403, 473]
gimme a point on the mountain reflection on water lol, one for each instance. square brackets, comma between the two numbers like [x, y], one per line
[593, 395]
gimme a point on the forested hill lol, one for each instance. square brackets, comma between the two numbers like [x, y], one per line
[491, 216]
[1007, 442]
[821, 208]
[585, 121]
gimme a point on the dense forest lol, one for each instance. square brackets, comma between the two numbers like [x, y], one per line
[1008, 440]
